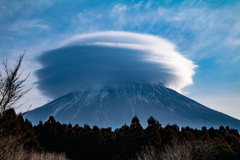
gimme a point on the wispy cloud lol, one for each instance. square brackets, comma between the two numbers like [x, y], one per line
[138, 5]
[15, 9]
[149, 3]
[25, 25]
[118, 15]
[119, 8]
[198, 27]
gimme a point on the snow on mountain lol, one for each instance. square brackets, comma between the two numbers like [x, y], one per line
[115, 107]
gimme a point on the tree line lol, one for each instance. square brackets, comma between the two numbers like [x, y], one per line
[85, 142]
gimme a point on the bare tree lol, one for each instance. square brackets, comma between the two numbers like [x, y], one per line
[11, 90]
[186, 150]
[148, 153]
[11, 86]
[9, 150]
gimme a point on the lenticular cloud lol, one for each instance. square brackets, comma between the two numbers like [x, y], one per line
[110, 59]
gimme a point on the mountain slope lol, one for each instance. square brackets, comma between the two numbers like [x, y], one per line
[115, 107]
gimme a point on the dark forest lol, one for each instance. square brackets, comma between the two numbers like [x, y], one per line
[127, 142]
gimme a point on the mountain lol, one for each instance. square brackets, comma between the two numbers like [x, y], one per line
[115, 107]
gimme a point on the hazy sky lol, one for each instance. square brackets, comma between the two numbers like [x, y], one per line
[192, 46]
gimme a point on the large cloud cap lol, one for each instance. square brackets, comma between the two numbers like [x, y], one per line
[110, 59]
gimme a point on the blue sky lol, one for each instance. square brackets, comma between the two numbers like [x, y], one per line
[204, 32]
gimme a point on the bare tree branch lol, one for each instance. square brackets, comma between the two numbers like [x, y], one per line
[11, 86]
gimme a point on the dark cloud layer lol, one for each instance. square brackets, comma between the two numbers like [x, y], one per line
[78, 68]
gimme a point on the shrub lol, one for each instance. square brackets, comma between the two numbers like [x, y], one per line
[186, 150]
